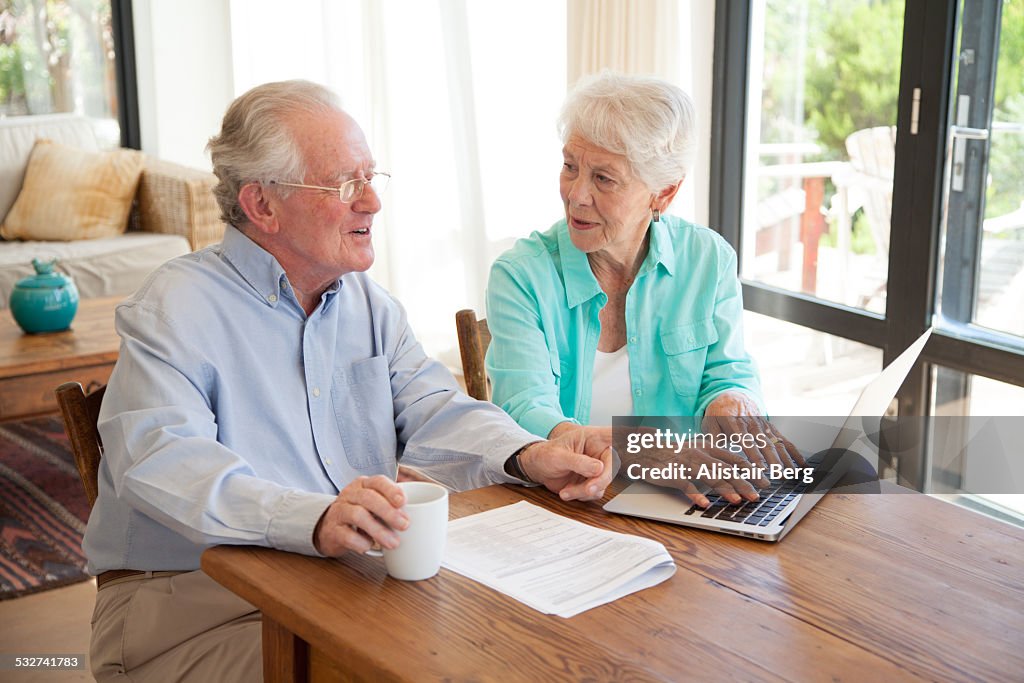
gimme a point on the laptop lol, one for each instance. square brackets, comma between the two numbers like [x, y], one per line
[785, 501]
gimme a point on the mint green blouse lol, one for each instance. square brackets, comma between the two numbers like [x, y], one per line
[684, 331]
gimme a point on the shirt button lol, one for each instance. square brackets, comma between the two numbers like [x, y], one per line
[272, 298]
[638, 392]
[316, 392]
[632, 340]
[328, 461]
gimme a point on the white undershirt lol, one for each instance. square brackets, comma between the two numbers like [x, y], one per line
[610, 391]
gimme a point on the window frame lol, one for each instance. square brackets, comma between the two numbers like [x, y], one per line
[127, 78]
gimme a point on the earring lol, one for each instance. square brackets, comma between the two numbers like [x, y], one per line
[657, 215]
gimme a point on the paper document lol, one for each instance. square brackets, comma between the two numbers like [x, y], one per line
[551, 563]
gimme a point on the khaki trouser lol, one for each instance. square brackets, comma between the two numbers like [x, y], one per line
[184, 627]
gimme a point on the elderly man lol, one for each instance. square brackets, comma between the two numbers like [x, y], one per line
[266, 390]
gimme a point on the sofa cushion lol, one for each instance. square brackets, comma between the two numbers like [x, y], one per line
[114, 266]
[72, 194]
[19, 133]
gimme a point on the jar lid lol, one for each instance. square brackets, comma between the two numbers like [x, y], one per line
[45, 277]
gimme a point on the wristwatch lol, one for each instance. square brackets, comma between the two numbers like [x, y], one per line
[514, 469]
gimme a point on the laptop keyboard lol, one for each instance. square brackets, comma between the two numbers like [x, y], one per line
[774, 499]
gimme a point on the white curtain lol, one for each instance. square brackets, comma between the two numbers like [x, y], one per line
[624, 35]
[458, 100]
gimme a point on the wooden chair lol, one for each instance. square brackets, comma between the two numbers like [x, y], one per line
[80, 412]
[873, 157]
[865, 182]
[474, 338]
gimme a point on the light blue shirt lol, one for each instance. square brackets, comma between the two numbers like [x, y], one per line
[232, 417]
[684, 332]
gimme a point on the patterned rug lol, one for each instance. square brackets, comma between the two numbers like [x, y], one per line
[43, 509]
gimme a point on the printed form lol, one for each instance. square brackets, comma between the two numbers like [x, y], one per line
[551, 563]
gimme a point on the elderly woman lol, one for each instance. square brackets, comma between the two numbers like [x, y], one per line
[619, 309]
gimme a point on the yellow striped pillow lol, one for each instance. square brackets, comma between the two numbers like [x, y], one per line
[70, 194]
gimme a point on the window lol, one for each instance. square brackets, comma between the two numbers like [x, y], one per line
[821, 117]
[987, 404]
[61, 57]
[806, 372]
[925, 227]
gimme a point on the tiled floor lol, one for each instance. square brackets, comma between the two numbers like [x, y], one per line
[51, 622]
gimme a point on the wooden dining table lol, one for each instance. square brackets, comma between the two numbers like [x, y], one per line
[868, 587]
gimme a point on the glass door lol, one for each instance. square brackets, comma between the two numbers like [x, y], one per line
[868, 167]
[982, 290]
[980, 299]
[822, 94]
[821, 120]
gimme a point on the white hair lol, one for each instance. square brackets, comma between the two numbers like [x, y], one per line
[255, 143]
[647, 120]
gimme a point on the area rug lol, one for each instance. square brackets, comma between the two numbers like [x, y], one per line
[43, 509]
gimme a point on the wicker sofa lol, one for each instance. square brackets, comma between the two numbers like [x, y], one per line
[173, 212]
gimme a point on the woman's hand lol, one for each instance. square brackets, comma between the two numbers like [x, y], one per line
[734, 412]
[733, 404]
[685, 465]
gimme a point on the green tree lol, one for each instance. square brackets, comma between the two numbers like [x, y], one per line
[56, 55]
[853, 71]
[1010, 67]
[1005, 192]
[12, 79]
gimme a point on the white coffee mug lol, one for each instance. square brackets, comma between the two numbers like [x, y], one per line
[421, 546]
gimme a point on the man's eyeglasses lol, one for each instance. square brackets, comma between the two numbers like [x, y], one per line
[350, 190]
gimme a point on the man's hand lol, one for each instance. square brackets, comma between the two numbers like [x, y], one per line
[734, 412]
[577, 464]
[367, 511]
[596, 439]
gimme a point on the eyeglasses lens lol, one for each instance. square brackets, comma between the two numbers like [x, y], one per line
[353, 189]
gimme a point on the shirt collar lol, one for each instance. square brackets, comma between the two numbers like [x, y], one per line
[260, 269]
[580, 283]
[661, 250]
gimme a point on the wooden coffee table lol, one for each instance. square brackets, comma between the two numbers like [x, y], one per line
[33, 365]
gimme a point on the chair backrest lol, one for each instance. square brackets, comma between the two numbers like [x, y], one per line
[474, 338]
[80, 414]
[873, 155]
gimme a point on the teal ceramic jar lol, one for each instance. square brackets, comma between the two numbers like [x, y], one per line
[46, 301]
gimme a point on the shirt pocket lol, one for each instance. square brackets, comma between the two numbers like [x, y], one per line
[686, 351]
[365, 412]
